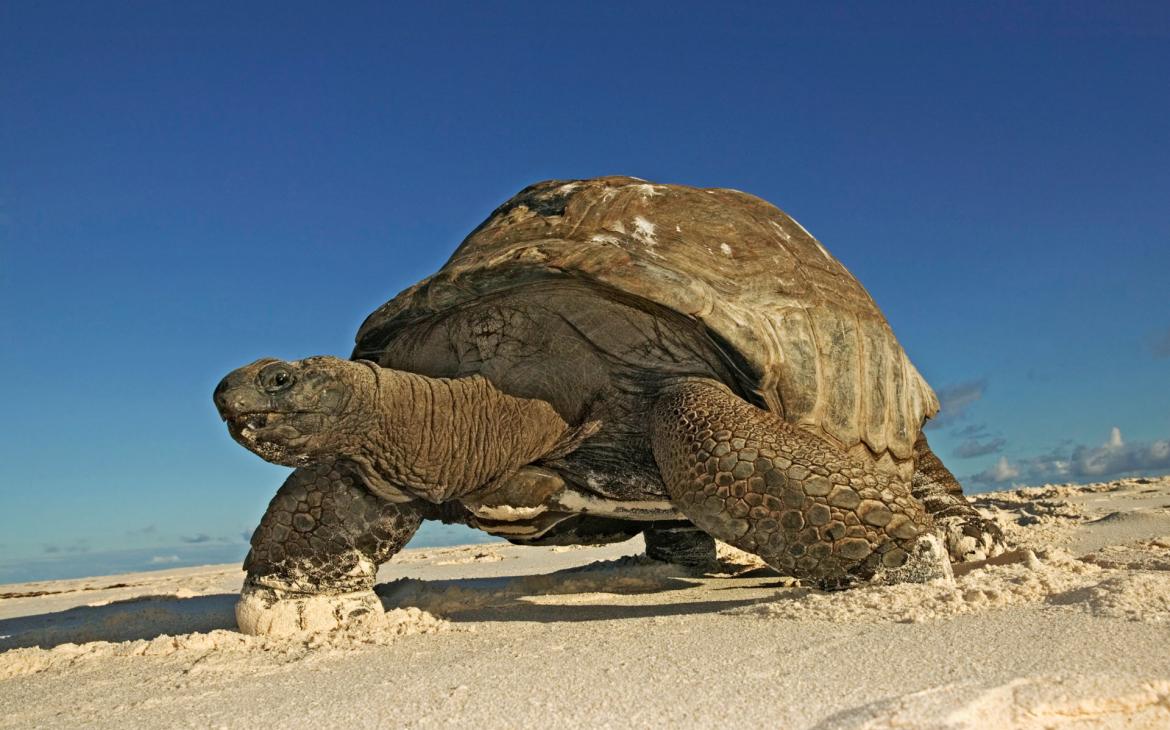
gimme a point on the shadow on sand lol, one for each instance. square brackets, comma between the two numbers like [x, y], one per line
[499, 598]
[508, 598]
[144, 617]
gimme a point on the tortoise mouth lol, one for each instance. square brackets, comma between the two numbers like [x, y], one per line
[246, 425]
[275, 437]
[250, 423]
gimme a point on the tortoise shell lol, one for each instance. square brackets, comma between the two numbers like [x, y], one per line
[805, 335]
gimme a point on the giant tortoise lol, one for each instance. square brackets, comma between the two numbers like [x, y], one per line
[602, 358]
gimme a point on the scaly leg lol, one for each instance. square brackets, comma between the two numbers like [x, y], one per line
[765, 486]
[968, 536]
[316, 553]
[680, 543]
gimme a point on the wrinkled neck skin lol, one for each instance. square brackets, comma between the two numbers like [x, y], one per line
[439, 439]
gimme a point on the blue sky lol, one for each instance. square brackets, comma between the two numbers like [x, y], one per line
[184, 189]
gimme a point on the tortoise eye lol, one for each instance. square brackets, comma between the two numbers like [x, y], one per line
[276, 378]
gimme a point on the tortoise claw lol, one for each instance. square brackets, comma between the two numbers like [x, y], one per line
[971, 537]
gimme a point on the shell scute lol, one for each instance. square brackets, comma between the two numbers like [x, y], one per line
[837, 340]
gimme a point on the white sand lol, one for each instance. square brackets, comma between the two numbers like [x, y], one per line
[1070, 630]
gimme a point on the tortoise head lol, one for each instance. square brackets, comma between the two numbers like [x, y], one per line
[299, 412]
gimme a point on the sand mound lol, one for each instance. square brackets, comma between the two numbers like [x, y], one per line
[1151, 554]
[224, 646]
[1053, 577]
[1131, 596]
[1030, 703]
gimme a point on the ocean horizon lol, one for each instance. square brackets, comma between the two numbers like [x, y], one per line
[96, 563]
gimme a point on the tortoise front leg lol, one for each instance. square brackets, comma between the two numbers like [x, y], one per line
[804, 506]
[316, 553]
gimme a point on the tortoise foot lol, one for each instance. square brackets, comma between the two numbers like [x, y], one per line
[263, 611]
[971, 537]
[928, 560]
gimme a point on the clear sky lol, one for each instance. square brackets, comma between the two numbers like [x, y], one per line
[185, 187]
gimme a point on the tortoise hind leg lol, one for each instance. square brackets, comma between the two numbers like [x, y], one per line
[750, 479]
[967, 534]
[316, 553]
[680, 543]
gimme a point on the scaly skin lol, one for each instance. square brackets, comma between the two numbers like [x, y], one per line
[762, 485]
[316, 552]
[325, 533]
[681, 544]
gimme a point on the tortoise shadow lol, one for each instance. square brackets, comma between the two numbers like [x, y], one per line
[508, 598]
[500, 598]
[519, 610]
[143, 617]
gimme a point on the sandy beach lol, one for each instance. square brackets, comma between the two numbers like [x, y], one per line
[1072, 629]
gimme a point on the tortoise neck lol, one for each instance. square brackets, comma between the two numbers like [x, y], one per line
[439, 438]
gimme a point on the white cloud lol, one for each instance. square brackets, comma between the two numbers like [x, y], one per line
[954, 400]
[1002, 472]
[1115, 438]
[1113, 458]
[973, 447]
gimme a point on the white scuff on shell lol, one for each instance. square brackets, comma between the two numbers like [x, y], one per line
[644, 231]
[605, 238]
